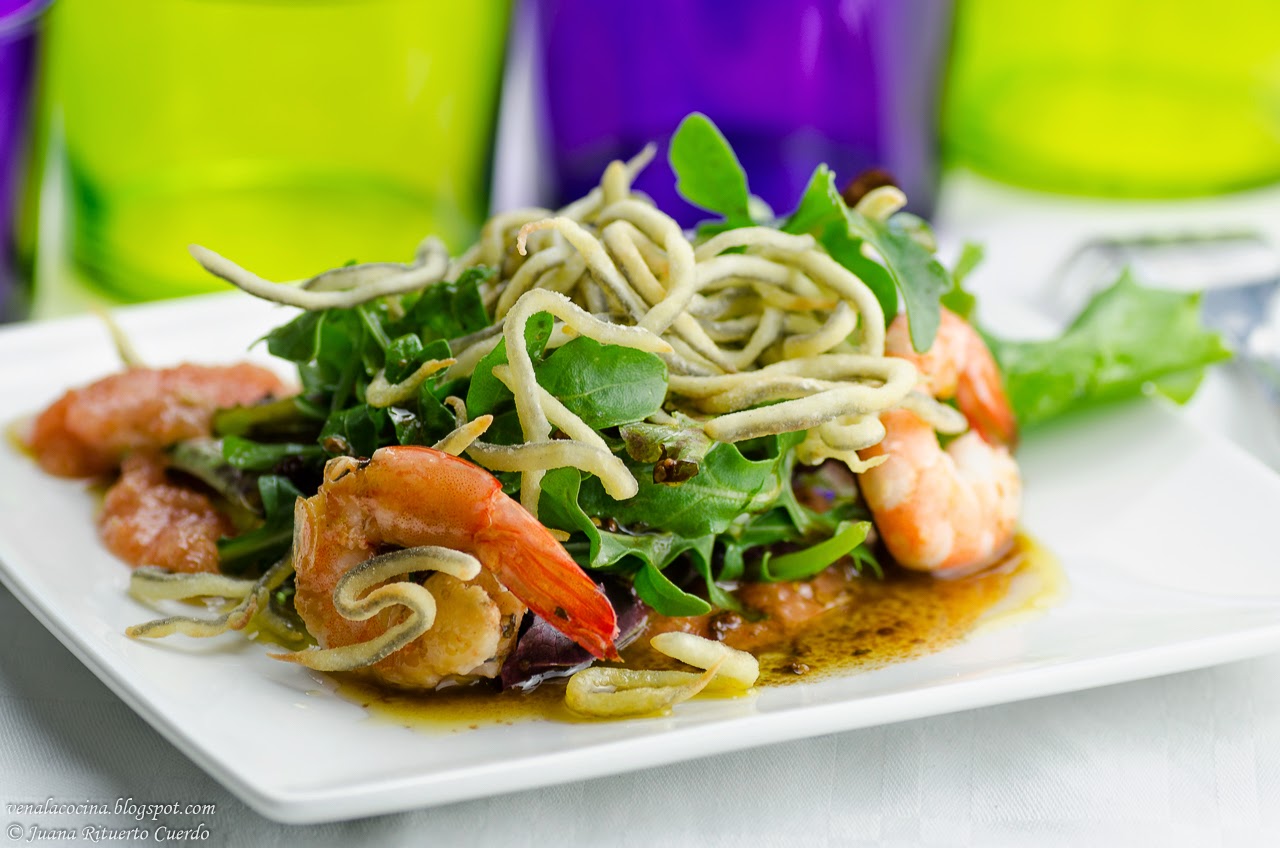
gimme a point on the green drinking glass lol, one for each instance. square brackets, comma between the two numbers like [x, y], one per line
[288, 135]
[1137, 98]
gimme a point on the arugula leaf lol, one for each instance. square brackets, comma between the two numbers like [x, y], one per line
[864, 561]
[202, 458]
[403, 356]
[605, 385]
[437, 419]
[425, 420]
[630, 553]
[915, 228]
[958, 299]
[248, 455]
[333, 364]
[971, 256]
[287, 418]
[373, 317]
[1127, 337]
[298, 340]
[264, 545]
[848, 251]
[708, 173]
[799, 565]
[821, 213]
[486, 392]
[356, 431]
[909, 265]
[918, 275]
[667, 598]
[568, 503]
[449, 310]
[727, 486]
[676, 451]
[559, 507]
[792, 522]
[819, 206]
[770, 528]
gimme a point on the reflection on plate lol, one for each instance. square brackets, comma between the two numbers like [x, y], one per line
[1160, 528]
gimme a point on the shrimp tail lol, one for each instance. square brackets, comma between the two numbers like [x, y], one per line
[960, 365]
[538, 571]
[986, 406]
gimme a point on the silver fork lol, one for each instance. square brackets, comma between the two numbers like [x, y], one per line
[1239, 273]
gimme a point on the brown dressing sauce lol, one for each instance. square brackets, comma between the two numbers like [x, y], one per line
[869, 623]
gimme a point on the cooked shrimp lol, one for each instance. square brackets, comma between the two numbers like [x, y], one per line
[147, 520]
[959, 365]
[406, 497]
[956, 508]
[89, 430]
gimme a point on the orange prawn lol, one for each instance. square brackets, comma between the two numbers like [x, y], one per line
[148, 520]
[406, 497]
[89, 430]
[952, 509]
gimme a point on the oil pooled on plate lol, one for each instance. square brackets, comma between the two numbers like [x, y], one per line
[871, 623]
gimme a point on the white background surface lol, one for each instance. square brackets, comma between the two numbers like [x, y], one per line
[1186, 760]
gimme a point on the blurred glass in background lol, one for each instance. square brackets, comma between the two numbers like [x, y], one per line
[853, 83]
[289, 135]
[1117, 97]
[19, 21]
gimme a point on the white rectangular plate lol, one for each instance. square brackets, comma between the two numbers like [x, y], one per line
[1163, 532]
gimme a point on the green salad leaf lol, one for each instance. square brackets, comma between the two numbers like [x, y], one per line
[248, 455]
[906, 266]
[298, 340]
[449, 310]
[286, 418]
[1127, 337]
[916, 272]
[486, 392]
[727, 486]
[819, 206]
[666, 523]
[708, 173]
[958, 299]
[799, 565]
[202, 458]
[616, 551]
[675, 451]
[356, 431]
[747, 546]
[605, 385]
[262, 546]
[655, 589]
[822, 213]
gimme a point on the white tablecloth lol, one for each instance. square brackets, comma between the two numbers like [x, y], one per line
[1187, 760]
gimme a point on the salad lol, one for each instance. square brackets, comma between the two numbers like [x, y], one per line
[496, 467]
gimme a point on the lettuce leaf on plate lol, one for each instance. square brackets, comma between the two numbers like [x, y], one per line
[1126, 338]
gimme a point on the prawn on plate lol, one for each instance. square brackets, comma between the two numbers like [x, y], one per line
[123, 422]
[955, 508]
[492, 561]
[88, 431]
[149, 520]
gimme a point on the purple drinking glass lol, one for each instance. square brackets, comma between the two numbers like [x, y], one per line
[852, 83]
[18, 20]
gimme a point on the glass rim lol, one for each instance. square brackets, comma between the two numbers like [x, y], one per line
[22, 17]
